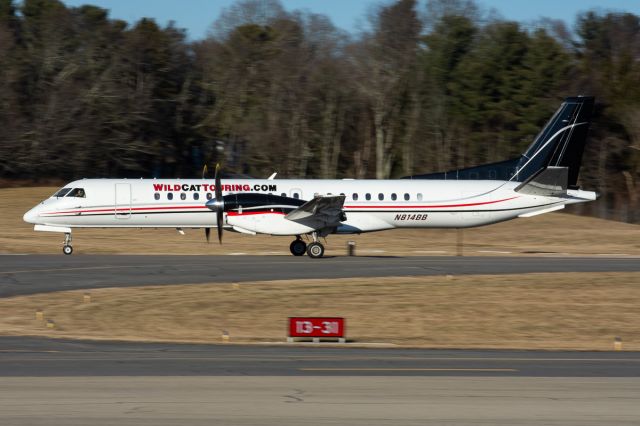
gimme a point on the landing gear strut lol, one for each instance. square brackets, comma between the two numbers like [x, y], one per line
[315, 250]
[67, 249]
[298, 247]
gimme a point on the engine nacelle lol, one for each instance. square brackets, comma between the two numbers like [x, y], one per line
[266, 222]
[260, 213]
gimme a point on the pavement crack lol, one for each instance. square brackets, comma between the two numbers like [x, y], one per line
[297, 396]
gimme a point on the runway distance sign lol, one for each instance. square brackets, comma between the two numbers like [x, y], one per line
[316, 327]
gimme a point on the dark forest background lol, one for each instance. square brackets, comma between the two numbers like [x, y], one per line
[426, 88]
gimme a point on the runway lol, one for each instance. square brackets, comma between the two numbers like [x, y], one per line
[44, 273]
[24, 356]
[56, 383]
[66, 383]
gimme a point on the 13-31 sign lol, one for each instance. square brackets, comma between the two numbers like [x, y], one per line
[316, 327]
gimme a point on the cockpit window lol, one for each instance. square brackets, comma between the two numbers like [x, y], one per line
[77, 192]
[62, 192]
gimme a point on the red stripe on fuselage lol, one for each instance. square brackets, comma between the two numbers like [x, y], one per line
[251, 213]
[430, 206]
[127, 209]
[369, 206]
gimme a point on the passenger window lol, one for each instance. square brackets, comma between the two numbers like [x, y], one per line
[381, 196]
[296, 195]
[355, 197]
[196, 196]
[419, 197]
[76, 192]
[156, 196]
[284, 194]
[394, 197]
[170, 196]
[209, 196]
[406, 197]
[367, 196]
[62, 192]
[183, 196]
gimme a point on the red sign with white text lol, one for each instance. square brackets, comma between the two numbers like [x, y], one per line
[316, 327]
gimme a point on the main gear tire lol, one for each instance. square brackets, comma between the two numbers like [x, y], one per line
[298, 248]
[315, 250]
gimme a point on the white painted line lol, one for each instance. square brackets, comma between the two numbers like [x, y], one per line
[237, 254]
[494, 251]
[478, 370]
[373, 251]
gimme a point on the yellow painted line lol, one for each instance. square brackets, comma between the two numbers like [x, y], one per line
[507, 370]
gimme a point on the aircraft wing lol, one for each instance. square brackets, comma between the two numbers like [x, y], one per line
[320, 212]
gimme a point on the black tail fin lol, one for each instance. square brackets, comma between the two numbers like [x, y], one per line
[560, 144]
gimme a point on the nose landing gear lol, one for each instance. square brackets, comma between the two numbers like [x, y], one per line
[67, 249]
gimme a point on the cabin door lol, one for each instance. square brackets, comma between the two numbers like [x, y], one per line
[122, 208]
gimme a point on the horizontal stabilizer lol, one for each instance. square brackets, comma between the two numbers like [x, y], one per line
[548, 182]
[542, 211]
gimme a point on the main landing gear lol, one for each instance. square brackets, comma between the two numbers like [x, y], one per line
[298, 247]
[67, 249]
[314, 250]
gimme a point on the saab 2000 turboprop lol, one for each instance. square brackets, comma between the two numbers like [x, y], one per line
[541, 180]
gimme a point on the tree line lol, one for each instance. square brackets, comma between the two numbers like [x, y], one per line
[421, 89]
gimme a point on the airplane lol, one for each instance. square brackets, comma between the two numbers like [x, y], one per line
[543, 179]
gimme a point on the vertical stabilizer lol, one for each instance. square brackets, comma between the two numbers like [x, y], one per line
[561, 142]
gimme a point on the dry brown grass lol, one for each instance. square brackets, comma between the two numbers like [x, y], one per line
[557, 233]
[534, 311]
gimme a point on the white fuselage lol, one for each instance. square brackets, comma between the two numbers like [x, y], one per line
[370, 205]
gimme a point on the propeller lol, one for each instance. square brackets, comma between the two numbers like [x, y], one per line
[219, 202]
[207, 231]
[217, 205]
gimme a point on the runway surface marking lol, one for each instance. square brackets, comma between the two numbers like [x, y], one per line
[288, 358]
[482, 370]
[32, 271]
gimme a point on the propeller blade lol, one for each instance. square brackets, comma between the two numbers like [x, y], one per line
[204, 172]
[207, 233]
[219, 202]
[219, 219]
[216, 178]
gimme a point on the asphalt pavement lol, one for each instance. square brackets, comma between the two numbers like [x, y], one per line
[27, 356]
[31, 274]
[67, 383]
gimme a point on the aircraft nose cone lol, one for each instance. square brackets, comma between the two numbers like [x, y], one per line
[31, 216]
